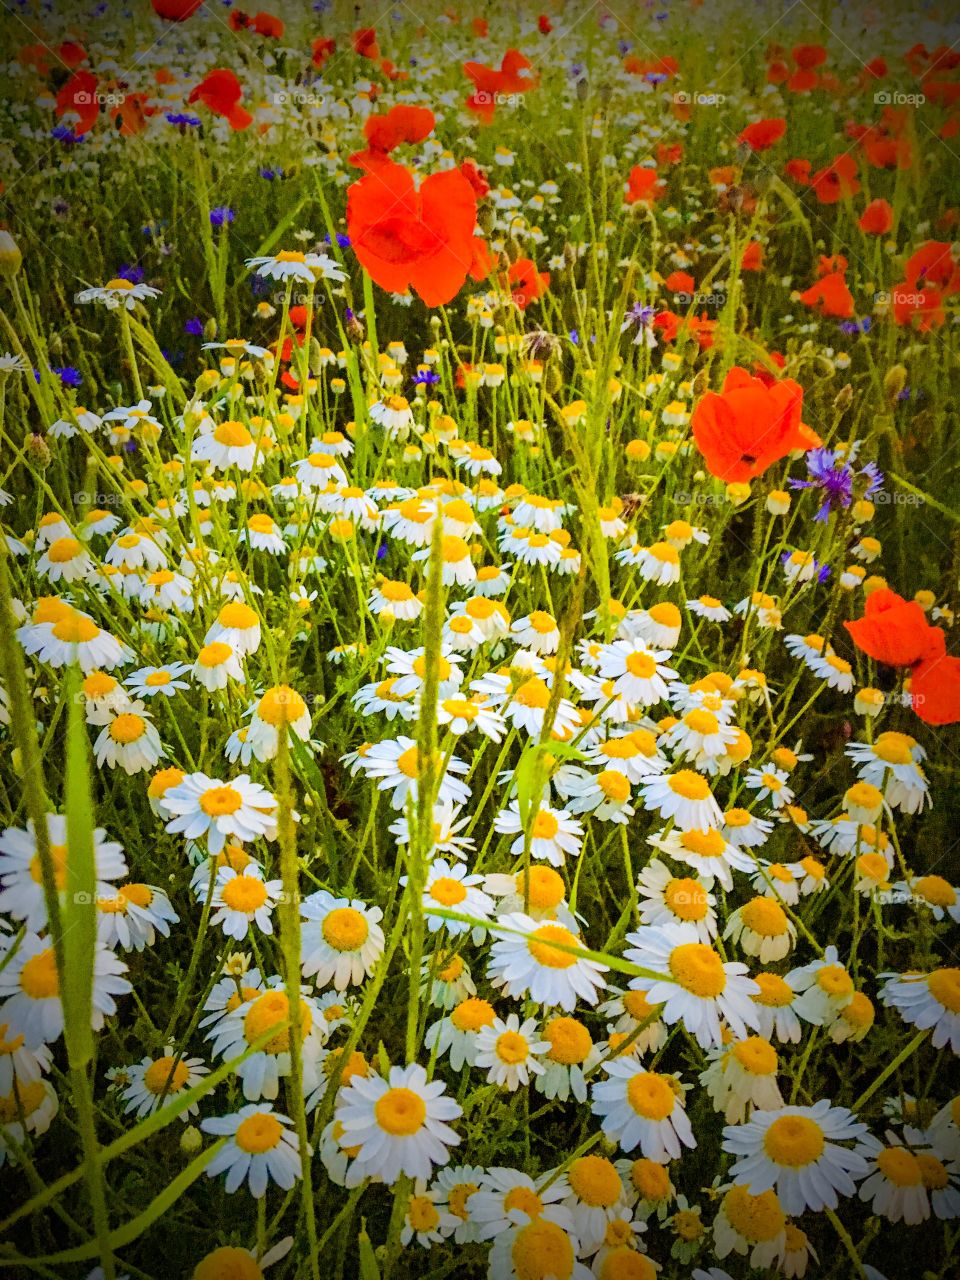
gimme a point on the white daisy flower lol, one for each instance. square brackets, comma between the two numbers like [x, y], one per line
[292, 264]
[554, 833]
[242, 899]
[684, 796]
[641, 1108]
[742, 1077]
[203, 806]
[129, 740]
[797, 1152]
[398, 1125]
[341, 939]
[21, 879]
[131, 915]
[534, 960]
[927, 1000]
[261, 1148]
[510, 1197]
[154, 1081]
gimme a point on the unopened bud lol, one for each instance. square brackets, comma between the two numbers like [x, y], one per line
[895, 381]
[844, 398]
[10, 256]
[191, 1140]
[210, 330]
[38, 451]
[354, 329]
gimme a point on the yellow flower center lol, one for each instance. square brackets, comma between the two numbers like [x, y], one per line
[214, 654]
[944, 985]
[900, 1166]
[764, 917]
[166, 1075]
[422, 1213]
[408, 762]
[774, 992]
[400, 1112]
[289, 255]
[650, 1179]
[835, 981]
[794, 1141]
[270, 1011]
[545, 888]
[935, 890]
[39, 978]
[281, 705]
[532, 693]
[756, 1055]
[228, 1263]
[512, 1047]
[62, 550]
[641, 665]
[58, 854]
[687, 899]
[232, 434]
[457, 1199]
[545, 826]
[447, 891]
[216, 802]
[542, 1251]
[28, 1097]
[345, 929]
[244, 893]
[237, 616]
[702, 722]
[698, 969]
[258, 1133]
[688, 784]
[756, 1218]
[75, 628]
[704, 844]
[687, 1225]
[651, 1095]
[595, 1180]
[472, 1014]
[933, 1172]
[570, 1041]
[542, 945]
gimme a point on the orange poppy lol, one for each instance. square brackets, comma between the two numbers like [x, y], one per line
[401, 123]
[220, 92]
[413, 238]
[763, 133]
[893, 630]
[876, 219]
[749, 426]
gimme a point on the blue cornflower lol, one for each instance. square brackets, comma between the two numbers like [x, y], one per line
[221, 215]
[182, 118]
[427, 378]
[194, 327]
[131, 272]
[833, 475]
[63, 133]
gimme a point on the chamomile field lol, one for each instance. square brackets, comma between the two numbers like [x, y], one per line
[480, 509]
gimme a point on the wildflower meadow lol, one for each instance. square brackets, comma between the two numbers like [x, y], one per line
[479, 768]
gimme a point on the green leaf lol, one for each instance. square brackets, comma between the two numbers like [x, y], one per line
[368, 1259]
[80, 907]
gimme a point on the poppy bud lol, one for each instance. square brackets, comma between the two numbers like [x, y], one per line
[569, 255]
[895, 381]
[582, 89]
[10, 256]
[38, 451]
[485, 218]
[701, 383]
[316, 357]
[844, 398]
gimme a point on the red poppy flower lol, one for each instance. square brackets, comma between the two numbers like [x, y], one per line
[524, 282]
[679, 282]
[220, 92]
[799, 171]
[932, 263]
[876, 219]
[803, 81]
[515, 76]
[365, 43]
[763, 373]
[476, 177]
[777, 72]
[837, 180]
[752, 259]
[888, 153]
[480, 28]
[935, 684]
[643, 184]
[321, 49]
[79, 97]
[131, 114]
[239, 20]
[829, 263]
[390, 70]
[400, 124]
[483, 260]
[893, 630]
[808, 56]
[299, 316]
[669, 152]
[635, 66]
[763, 133]
[830, 296]
[544, 25]
[749, 426]
[175, 10]
[408, 238]
[72, 54]
[265, 24]
[916, 306]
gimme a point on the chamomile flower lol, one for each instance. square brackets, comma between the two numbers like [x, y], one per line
[554, 833]
[292, 264]
[510, 1197]
[750, 1224]
[130, 916]
[539, 960]
[927, 1000]
[398, 1125]
[261, 1148]
[396, 766]
[21, 876]
[449, 887]
[742, 1077]
[707, 852]
[117, 293]
[684, 796]
[597, 1198]
[242, 899]
[644, 1109]
[526, 1247]
[698, 988]
[262, 1018]
[129, 741]
[668, 899]
[426, 1220]
[508, 1050]
[825, 988]
[799, 1153]
[762, 928]
[570, 1055]
[152, 1082]
[341, 939]
[30, 1003]
[148, 682]
[206, 807]
[458, 1033]
[638, 673]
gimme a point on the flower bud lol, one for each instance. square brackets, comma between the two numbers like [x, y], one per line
[191, 1140]
[10, 256]
[38, 451]
[895, 381]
